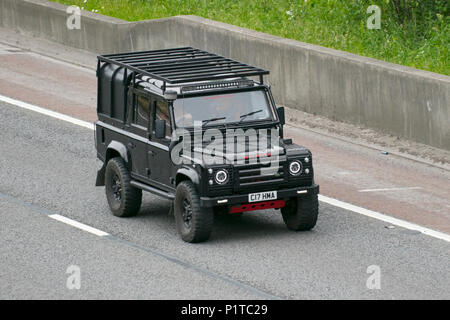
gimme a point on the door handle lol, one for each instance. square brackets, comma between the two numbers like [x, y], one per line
[131, 145]
[151, 153]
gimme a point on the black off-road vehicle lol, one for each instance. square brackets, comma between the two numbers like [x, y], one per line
[159, 113]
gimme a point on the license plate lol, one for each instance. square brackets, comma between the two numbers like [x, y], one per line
[262, 196]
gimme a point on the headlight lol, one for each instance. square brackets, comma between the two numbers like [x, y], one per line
[221, 176]
[295, 167]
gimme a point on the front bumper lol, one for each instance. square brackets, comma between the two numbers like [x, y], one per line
[243, 198]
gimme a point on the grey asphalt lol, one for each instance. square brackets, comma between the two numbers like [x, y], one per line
[48, 166]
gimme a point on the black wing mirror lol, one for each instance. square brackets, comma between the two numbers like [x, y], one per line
[280, 112]
[160, 129]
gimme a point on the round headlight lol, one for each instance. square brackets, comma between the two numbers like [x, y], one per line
[221, 176]
[295, 167]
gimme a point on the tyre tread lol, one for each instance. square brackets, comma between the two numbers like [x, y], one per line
[132, 196]
[305, 217]
[204, 218]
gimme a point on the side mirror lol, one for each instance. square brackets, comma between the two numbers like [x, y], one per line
[280, 112]
[160, 129]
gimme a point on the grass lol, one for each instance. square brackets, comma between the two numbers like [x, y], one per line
[419, 38]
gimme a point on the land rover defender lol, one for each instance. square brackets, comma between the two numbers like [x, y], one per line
[200, 130]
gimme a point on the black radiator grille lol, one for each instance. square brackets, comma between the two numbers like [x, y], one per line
[255, 175]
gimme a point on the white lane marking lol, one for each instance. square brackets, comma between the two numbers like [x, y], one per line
[79, 225]
[389, 189]
[47, 112]
[334, 202]
[385, 218]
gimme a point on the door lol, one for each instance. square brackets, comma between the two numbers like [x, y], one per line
[137, 144]
[158, 157]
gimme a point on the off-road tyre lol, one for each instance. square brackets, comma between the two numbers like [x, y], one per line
[300, 213]
[194, 223]
[124, 200]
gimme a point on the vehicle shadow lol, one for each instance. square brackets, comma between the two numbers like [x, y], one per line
[227, 227]
[251, 225]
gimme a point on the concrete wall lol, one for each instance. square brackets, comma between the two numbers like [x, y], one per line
[394, 99]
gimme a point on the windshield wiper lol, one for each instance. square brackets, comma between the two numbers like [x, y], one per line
[249, 114]
[212, 119]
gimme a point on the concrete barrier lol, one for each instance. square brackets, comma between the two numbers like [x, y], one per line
[391, 98]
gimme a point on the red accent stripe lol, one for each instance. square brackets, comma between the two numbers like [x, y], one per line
[258, 206]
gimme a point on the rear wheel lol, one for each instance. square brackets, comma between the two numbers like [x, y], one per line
[194, 223]
[124, 200]
[300, 213]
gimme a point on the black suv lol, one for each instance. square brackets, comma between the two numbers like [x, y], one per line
[200, 130]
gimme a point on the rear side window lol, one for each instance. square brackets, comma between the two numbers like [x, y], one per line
[142, 111]
[162, 113]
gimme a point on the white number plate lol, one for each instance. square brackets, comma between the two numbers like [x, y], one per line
[262, 196]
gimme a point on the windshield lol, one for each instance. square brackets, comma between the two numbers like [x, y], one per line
[224, 108]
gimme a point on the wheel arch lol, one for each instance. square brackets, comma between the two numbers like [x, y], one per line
[186, 173]
[114, 149]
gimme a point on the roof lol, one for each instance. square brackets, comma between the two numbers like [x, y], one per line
[182, 65]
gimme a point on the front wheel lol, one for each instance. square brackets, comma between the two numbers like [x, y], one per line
[300, 213]
[194, 223]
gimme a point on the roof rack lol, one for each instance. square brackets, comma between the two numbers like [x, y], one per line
[181, 65]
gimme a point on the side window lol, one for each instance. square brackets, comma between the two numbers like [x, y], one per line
[142, 111]
[162, 113]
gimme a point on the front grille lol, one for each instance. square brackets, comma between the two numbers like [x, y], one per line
[257, 177]
[260, 177]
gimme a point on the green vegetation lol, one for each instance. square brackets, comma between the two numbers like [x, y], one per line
[414, 33]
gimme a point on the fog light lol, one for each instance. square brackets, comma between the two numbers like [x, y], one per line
[210, 182]
[306, 171]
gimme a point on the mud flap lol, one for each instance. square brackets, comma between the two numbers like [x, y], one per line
[100, 181]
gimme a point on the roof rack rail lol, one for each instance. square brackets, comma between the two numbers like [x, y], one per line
[181, 65]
